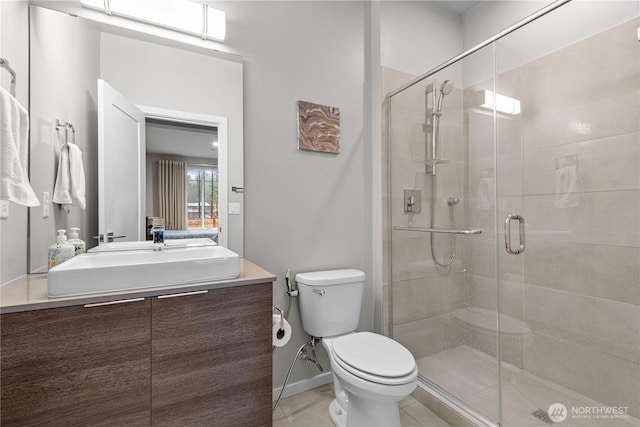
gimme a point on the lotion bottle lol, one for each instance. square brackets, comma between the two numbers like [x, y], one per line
[79, 245]
[61, 250]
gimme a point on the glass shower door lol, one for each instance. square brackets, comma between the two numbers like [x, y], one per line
[443, 284]
[568, 163]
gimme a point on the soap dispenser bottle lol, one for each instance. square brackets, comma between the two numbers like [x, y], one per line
[61, 250]
[79, 245]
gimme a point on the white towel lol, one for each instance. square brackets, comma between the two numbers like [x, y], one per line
[62, 188]
[77, 175]
[568, 187]
[70, 184]
[14, 148]
[484, 200]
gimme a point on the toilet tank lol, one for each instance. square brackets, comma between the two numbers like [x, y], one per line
[330, 301]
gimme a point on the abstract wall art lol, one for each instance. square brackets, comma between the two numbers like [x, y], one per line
[318, 127]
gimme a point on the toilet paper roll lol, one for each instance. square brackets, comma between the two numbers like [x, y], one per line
[279, 335]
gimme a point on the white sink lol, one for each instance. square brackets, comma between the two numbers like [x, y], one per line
[148, 245]
[125, 270]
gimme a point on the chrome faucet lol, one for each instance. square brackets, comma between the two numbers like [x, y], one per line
[109, 238]
[158, 237]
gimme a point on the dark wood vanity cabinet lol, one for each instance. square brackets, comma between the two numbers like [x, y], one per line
[211, 358]
[192, 359]
[76, 366]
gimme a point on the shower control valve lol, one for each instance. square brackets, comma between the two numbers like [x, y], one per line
[412, 201]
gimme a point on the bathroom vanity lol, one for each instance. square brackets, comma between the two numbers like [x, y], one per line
[197, 354]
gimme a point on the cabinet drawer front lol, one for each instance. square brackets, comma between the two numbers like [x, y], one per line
[76, 366]
[211, 358]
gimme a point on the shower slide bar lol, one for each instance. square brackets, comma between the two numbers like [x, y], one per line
[438, 230]
[5, 64]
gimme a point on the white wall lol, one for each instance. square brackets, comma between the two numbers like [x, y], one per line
[14, 47]
[64, 68]
[311, 211]
[416, 36]
[305, 211]
[165, 77]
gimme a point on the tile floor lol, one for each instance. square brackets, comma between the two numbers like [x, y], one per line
[310, 409]
[472, 376]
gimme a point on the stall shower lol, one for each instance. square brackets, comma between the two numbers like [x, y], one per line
[517, 289]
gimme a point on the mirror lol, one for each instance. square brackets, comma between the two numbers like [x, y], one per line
[199, 147]
[68, 54]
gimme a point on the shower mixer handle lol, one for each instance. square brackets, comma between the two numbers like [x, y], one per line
[412, 201]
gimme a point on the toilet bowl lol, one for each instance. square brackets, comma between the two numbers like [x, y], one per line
[372, 373]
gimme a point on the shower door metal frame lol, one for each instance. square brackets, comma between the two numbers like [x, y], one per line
[539, 14]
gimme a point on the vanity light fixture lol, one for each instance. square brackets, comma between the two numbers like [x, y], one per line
[503, 104]
[179, 15]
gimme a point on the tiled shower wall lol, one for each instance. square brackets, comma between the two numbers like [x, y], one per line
[580, 275]
[570, 304]
[423, 294]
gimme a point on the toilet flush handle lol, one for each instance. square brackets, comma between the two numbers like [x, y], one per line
[320, 292]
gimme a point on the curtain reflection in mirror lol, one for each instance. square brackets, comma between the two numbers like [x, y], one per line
[172, 179]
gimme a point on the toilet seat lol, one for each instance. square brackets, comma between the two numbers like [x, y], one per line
[374, 358]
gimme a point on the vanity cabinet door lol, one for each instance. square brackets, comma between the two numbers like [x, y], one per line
[76, 366]
[211, 358]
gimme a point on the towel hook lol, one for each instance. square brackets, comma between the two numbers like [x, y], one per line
[5, 64]
[66, 126]
[73, 132]
[59, 126]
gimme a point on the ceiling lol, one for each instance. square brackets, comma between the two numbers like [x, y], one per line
[181, 141]
[457, 6]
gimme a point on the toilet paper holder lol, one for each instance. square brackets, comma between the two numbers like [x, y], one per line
[279, 310]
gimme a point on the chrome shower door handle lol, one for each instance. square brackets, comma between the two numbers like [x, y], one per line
[507, 234]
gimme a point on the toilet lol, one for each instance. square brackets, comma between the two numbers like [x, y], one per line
[371, 373]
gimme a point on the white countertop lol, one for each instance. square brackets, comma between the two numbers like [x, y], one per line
[30, 292]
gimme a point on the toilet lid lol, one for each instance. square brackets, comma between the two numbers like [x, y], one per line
[373, 354]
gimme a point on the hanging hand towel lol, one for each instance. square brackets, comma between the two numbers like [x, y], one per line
[70, 184]
[14, 137]
[62, 188]
[568, 187]
[76, 169]
[484, 198]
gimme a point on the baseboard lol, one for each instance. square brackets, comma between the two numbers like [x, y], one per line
[304, 385]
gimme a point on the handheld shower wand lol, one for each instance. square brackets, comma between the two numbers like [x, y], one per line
[445, 89]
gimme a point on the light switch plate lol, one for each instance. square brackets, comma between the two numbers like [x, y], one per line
[46, 202]
[234, 208]
[4, 209]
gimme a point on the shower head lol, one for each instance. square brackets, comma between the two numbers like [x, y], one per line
[446, 87]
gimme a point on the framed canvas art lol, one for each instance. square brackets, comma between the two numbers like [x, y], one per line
[318, 127]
